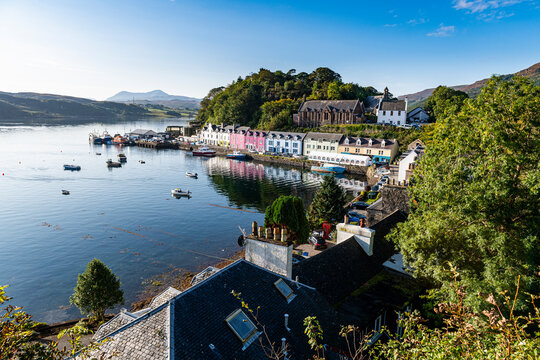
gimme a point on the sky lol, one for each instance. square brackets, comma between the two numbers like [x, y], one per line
[97, 48]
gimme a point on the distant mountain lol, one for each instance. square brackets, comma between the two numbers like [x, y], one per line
[418, 98]
[157, 97]
[34, 105]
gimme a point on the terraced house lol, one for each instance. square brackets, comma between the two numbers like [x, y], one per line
[284, 142]
[321, 143]
[217, 134]
[315, 113]
[380, 150]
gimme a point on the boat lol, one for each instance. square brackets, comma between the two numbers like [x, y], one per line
[237, 155]
[119, 140]
[122, 158]
[65, 192]
[106, 138]
[192, 175]
[329, 169]
[204, 151]
[72, 167]
[179, 192]
[95, 139]
[142, 161]
[112, 164]
[98, 153]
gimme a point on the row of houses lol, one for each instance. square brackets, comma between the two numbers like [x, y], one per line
[296, 143]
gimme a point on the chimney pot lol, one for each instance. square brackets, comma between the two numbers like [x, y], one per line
[283, 340]
[254, 228]
[284, 235]
[286, 321]
[276, 234]
[261, 232]
[268, 233]
[346, 219]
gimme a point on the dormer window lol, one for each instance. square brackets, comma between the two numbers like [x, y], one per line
[383, 143]
[242, 327]
[370, 142]
[346, 141]
[358, 142]
[285, 290]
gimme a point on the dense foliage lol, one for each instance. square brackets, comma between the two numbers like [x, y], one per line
[97, 290]
[267, 100]
[328, 203]
[477, 194]
[288, 212]
[444, 101]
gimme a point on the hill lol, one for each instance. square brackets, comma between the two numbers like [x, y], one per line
[418, 98]
[156, 97]
[34, 105]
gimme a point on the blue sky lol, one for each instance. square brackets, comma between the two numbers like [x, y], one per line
[97, 48]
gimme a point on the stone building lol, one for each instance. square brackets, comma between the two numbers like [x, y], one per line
[391, 111]
[315, 113]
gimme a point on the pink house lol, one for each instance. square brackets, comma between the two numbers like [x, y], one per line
[238, 138]
[255, 140]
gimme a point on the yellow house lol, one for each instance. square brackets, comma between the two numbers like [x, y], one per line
[380, 150]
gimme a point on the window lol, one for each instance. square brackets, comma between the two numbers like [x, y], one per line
[384, 113]
[295, 145]
[399, 113]
[284, 289]
[391, 113]
[308, 146]
[270, 142]
[369, 151]
[332, 148]
[242, 326]
[287, 144]
[381, 152]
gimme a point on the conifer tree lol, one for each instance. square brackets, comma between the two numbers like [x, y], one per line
[328, 204]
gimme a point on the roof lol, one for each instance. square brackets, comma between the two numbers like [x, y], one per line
[286, 135]
[338, 271]
[199, 314]
[393, 105]
[372, 101]
[415, 111]
[323, 136]
[364, 142]
[143, 132]
[331, 105]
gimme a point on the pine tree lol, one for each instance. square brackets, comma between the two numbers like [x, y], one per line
[328, 204]
[97, 290]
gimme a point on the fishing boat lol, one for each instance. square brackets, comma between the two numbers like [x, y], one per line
[204, 151]
[106, 138]
[179, 192]
[329, 169]
[72, 167]
[95, 139]
[122, 158]
[119, 140]
[192, 175]
[112, 164]
[65, 192]
[237, 155]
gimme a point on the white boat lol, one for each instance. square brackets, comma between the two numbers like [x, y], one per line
[204, 151]
[179, 192]
[329, 169]
[192, 175]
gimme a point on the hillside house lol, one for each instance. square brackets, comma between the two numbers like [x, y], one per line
[391, 111]
[315, 113]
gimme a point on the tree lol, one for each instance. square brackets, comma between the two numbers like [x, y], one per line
[288, 212]
[476, 196]
[444, 101]
[97, 290]
[328, 203]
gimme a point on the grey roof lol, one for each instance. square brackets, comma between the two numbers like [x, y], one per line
[331, 105]
[143, 132]
[393, 105]
[415, 111]
[364, 142]
[372, 101]
[242, 129]
[203, 275]
[324, 136]
[286, 135]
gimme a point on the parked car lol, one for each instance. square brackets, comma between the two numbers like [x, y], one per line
[359, 205]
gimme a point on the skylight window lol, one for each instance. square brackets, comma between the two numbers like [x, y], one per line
[284, 289]
[242, 326]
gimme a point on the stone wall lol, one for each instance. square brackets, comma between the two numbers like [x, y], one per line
[395, 198]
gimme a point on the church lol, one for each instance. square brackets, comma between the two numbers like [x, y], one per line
[391, 111]
[315, 113]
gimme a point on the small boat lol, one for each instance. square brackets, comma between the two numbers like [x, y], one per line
[329, 169]
[72, 167]
[237, 155]
[192, 175]
[179, 192]
[122, 158]
[65, 192]
[112, 164]
[142, 161]
[204, 151]
[98, 153]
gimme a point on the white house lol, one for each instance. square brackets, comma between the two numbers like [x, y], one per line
[407, 163]
[284, 142]
[417, 115]
[217, 134]
[391, 111]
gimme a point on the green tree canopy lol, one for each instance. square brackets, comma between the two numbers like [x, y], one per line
[476, 193]
[97, 290]
[328, 202]
[288, 211]
[444, 101]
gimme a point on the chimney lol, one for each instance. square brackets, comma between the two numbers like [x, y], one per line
[261, 232]
[284, 235]
[276, 234]
[254, 228]
[346, 219]
[269, 233]
[286, 319]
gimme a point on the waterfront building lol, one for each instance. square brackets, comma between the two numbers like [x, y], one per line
[142, 134]
[321, 142]
[283, 142]
[380, 150]
[255, 140]
[238, 138]
[417, 115]
[391, 111]
[219, 135]
[342, 159]
[315, 113]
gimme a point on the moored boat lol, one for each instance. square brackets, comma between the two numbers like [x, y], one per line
[191, 174]
[204, 151]
[179, 192]
[237, 155]
[119, 140]
[106, 138]
[95, 139]
[122, 158]
[329, 169]
[72, 167]
[112, 164]
[65, 192]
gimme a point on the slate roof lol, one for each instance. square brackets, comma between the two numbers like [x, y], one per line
[143, 132]
[415, 111]
[375, 143]
[338, 271]
[393, 105]
[199, 314]
[331, 105]
[284, 135]
[323, 136]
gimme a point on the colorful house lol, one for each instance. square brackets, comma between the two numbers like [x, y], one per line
[284, 142]
[380, 150]
[238, 138]
[321, 142]
[255, 140]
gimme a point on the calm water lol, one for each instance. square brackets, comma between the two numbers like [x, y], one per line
[126, 217]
